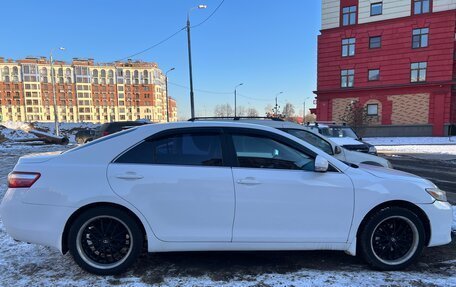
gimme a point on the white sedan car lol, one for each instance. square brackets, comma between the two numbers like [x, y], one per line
[202, 186]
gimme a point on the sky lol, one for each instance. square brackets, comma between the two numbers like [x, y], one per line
[269, 46]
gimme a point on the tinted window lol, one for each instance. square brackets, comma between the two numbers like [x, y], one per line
[261, 152]
[182, 149]
[313, 139]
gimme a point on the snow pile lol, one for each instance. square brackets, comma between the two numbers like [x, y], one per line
[394, 141]
[15, 134]
[18, 130]
[427, 149]
[454, 219]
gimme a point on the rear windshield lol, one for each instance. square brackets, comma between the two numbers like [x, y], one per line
[103, 139]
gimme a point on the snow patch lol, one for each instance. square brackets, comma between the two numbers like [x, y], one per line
[393, 141]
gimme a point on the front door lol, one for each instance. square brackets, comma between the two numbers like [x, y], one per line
[279, 197]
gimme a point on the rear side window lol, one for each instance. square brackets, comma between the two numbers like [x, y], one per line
[202, 149]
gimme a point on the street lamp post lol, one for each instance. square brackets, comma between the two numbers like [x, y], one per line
[235, 98]
[167, 97]
[56, 119]
[192, 100]
[304, 111]
[276, 108]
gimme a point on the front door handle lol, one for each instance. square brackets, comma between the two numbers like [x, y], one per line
[129, 176]
[248, 181]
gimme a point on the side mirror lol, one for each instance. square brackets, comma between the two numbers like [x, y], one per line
[321, 164]
[337, 150]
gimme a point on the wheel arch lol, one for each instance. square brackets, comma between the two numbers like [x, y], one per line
[398, 203]
[84, 208]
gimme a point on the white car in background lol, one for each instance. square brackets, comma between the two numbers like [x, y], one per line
[208, 186]
[312, 136]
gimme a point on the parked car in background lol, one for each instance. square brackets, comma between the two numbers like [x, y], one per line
[85, 136]
[313, 137]
[113, 127]
[345, 136]
[218, 186]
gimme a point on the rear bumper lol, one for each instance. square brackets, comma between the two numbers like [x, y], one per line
[440, 215]
[33, 223]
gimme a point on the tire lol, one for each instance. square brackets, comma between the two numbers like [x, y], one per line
[105, 240]
[396, 229]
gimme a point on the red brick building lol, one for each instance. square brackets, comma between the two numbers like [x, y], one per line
[395, 58]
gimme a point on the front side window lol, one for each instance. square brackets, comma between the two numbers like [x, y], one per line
[201, 149]
[348, 47]
[420, 38]
[263, 152]
[347, 78]
[418, 72]
[313, 139]
[349, 15]
[375, 42]
[376, 9]
[421, 6]
[374, 75]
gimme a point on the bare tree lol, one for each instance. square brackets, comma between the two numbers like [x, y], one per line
[269, 110]
[241, 111]
[356, 116]
[288, 111]
[252, 112]
[224, 110]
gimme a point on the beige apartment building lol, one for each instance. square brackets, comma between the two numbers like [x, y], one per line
[85, 91]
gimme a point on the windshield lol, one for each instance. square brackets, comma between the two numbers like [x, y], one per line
[339, 132]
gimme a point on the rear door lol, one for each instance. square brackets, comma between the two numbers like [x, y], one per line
[180, 182]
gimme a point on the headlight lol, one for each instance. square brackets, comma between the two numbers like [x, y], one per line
[438, 194]
[372, 149]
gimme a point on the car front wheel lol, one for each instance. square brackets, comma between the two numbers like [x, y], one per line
[392, 239]
[105, 240]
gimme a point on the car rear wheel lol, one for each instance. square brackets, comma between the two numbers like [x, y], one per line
[392, 239]
[105, 240]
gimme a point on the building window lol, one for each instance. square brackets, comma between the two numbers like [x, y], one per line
[372, 109]
[374, 75]
[348, 47]
[347, 78]
[421, 6]
[349, 15]
[418, 72]
[420, 38]
[375, 42]
[376, 9]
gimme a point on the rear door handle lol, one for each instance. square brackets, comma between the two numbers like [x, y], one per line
[248, 181]
[129, 176]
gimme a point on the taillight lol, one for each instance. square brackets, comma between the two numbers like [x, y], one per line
[18, 179]
[105, 133]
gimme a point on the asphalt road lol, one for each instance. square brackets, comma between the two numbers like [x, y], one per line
[440, 170]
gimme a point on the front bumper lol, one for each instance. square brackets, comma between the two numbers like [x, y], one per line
[440, 215]
[33, 223]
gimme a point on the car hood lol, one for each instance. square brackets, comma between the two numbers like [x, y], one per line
[359, 157]
[346, 141]
[39, 157]
[387, 173]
